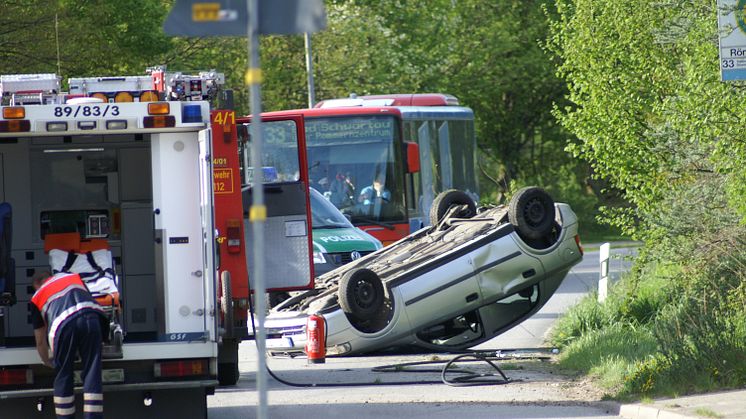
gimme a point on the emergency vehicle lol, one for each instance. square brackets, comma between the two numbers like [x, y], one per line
[140, 170]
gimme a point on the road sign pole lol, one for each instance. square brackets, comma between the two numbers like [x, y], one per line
[258, 212]
[309, 71]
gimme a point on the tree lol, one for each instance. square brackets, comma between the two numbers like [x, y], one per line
[648, 108]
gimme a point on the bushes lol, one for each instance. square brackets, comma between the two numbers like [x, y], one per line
[675, 325]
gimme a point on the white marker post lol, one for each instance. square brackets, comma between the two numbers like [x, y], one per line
[603, 279]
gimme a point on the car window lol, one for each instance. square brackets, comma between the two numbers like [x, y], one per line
[489, 319]
[324, 214]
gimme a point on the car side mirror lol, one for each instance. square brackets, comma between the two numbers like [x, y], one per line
[413, 157]
[242, 131]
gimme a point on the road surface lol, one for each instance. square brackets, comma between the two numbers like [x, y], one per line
[349, 387]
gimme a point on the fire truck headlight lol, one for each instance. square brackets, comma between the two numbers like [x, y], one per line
[56, 126]
[117, 124]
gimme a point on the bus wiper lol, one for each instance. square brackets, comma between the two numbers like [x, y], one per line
[378, 223]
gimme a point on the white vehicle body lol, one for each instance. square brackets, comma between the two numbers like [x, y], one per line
[448, 287]
[143, 177]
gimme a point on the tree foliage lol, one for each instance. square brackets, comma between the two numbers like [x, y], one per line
[648, 107]
[486, 53]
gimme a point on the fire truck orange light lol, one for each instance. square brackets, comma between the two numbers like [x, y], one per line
[149, 96]
[164, 121]
[124, 97]
[14, 112]
[23, 125]
[101, 96]
[158, 108]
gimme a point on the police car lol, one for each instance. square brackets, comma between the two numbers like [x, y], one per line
[471, 276]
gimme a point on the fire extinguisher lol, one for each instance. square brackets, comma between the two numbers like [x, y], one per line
[316, 339]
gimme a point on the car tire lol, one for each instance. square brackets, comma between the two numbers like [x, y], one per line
[446, 199]
[531, 211]
[361, 293]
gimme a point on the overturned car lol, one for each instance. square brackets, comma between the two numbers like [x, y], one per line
[469, 277]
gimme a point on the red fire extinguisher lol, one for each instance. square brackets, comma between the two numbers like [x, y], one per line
[316, 339]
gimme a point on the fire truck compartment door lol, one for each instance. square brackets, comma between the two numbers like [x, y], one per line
[181, 271]
[287, 245]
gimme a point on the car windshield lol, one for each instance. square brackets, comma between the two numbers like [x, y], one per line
[324, 214]
[353, 161]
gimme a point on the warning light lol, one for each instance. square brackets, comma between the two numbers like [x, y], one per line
[158, 108]
[14, 112]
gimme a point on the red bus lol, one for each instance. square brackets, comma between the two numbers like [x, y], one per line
[382, 159]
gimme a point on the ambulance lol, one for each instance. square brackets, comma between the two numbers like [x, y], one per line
[115, 179]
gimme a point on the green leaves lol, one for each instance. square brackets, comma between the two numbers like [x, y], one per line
[648, 108]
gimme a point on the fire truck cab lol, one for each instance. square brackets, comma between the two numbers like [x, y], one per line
[112, 166]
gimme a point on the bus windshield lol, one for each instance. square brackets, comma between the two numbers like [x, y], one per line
[353, 162]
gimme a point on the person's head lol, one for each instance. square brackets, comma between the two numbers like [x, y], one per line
[40, 278]
[378, 183]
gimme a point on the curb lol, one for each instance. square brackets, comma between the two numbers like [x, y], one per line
[636, 411]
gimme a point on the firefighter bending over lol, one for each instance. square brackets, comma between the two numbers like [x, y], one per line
[66, 317]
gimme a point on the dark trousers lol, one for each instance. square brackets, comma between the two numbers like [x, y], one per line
[81, 334]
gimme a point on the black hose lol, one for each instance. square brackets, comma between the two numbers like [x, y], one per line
[465, 378]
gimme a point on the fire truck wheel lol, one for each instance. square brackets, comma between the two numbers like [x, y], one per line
[228, 373]
[361, 293]
[447, 199]
[226, 302]
[531, 211]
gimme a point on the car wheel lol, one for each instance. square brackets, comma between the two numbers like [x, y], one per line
[531, 211]
[361, 293]
[446, 199]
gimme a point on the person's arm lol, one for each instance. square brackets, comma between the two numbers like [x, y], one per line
[42, 347]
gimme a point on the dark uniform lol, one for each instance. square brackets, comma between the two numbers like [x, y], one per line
[74, 325]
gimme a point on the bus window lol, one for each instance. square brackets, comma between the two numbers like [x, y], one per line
[354, 162]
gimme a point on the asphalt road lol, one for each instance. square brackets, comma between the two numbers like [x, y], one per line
[348, 387]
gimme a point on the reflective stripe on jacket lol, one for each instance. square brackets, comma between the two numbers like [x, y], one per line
[59, 298]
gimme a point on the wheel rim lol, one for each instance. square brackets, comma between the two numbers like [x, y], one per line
[364, 294]
[534, 212]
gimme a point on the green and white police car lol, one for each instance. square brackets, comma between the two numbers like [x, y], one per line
[335, 240]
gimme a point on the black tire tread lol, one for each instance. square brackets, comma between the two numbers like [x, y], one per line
[346, 293]
[444, 200]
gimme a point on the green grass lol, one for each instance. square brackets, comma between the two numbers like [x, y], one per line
[609, 354]
[708, 413]
[674, 325]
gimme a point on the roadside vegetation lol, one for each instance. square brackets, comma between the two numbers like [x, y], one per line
[654, 120]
